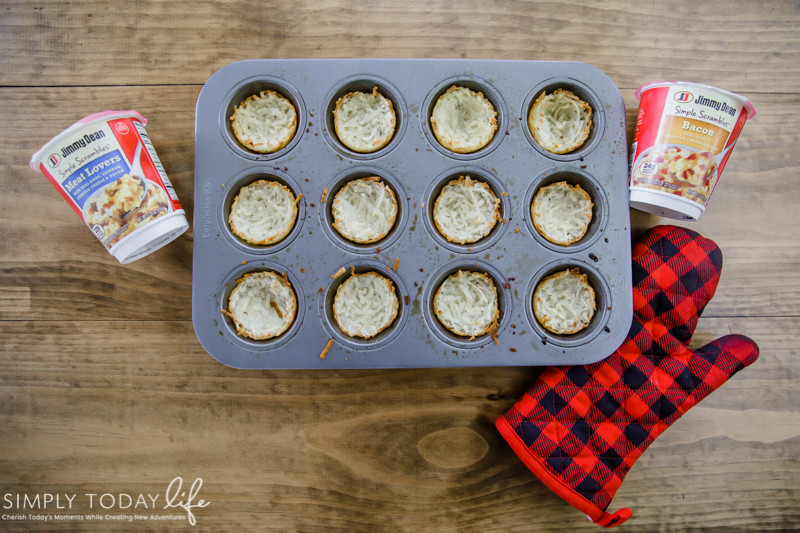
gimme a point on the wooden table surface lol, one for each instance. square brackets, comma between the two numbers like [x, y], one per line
[105, 388]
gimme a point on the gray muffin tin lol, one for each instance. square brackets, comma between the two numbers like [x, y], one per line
[416, 166]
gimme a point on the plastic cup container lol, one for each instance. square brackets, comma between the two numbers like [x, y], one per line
[685, 133]
[106, 168]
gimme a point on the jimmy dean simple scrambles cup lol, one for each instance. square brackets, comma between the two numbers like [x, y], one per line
[106, 168]
[684, 135]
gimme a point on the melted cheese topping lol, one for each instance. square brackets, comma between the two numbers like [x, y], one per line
[561, 213]
[264, 122]
[564, 303]
[365, 305]
[466, 304]
[263, 305]
[364, 210]
[263, 212]
[465, 210]
[560, 122]
[463, 121]
[364, 122]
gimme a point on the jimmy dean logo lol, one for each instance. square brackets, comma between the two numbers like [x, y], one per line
[719, 106]
[82, 142]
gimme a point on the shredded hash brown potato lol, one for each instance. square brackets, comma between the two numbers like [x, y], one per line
[364, 122]
[264, 122]
[364, 210]
[263, 212]
[560, 122]
[466, 304]
[365, 304]
[561, 212]
[466, 210]
[564, 303]
[262, 305]
[463, 121]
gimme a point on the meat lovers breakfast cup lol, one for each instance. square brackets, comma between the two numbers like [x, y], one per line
[106, 168]
[685, 133]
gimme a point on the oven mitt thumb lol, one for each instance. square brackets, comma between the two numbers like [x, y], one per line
[580, 429]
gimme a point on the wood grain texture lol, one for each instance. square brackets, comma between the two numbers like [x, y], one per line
[407, 450]
[104, 387]
[741, 46]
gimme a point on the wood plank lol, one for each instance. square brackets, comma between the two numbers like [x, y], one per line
[739, 46]
[411, 450]
[72, 277]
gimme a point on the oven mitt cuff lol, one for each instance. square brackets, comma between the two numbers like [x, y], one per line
[580, 429]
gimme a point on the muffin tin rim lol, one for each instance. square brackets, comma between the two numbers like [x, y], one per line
[401, 118]
[230, 138]
[395, 232]
[438, 277]
[223, 295]
[488, 89]
[231, 190]
[332, 327]
[601, 315]
[600, 201]
[598, 119]
[483, 243]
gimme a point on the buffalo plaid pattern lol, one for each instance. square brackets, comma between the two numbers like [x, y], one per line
[581, 428]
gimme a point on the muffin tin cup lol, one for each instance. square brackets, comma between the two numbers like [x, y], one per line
[475, 84]
[228, 329]
[602, 300]
[413, 255]
[383, 337]
[572, 176]
[244, 90]
[432, 194]
[583, 92]
[228, 195]
[364, 83]
[326, 210]
[504, 302]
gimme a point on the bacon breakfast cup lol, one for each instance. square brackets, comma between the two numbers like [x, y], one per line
[106, 168]
[685, 133]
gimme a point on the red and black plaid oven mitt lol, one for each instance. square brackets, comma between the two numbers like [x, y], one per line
[581, 428]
